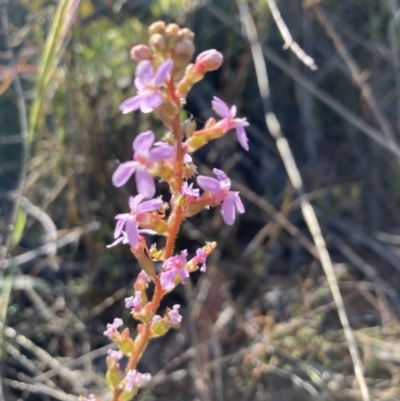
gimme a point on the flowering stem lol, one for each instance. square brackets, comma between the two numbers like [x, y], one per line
[143, 337]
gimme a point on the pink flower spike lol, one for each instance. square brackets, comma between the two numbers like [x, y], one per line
[229, 121]
[174, 318]
[147, 83]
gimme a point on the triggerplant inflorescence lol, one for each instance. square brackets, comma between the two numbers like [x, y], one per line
[164, 76]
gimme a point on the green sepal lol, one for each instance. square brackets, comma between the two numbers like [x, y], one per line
[127, 346]
[127, 396]
[159, 329]
[113, 377]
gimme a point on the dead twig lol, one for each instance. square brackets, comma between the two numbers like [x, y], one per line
[287, 37]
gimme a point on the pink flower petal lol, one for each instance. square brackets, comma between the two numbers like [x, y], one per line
[119, 227]
[228, 210]
[131, 227]
[134, 202]
[123, 172]
[149, 103]
[187, 158]
[220, 174]
[150, 206]
[238, 202]
[131, 104]
[139, 84]
[152, 102]
[143, 142]
[208, 183]
[145, 183]
[163, 71]
[242, 137]
[144, 71]
[161, 152]
[221, 108]
[116, 242]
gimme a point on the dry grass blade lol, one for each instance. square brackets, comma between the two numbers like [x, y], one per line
[62, 22]
[287, 37]
[295, 178]
[23, 127]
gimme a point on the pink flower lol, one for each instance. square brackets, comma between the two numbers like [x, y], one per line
[134, 379]
[143, 278]
[189, 192]
[143, 158]
[171, 269]
[134, 301]
[220, 193]
[229, 121]
[129, 221]
[148, 85]
[115, 355]
[174, 318]
[156, 318]
[201, 256]
[112, 329]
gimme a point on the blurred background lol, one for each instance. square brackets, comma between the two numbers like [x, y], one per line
[261, 324]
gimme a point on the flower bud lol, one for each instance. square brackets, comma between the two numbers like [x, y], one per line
[185, 49]
[157, 27]
[141, 52]
[208, 60]
[158, 42]
[172, 30]
[186, 33]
